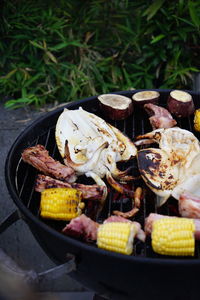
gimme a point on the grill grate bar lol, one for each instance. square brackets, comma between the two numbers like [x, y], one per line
[47, 138]
[54, 150]
[110, 203]
[20, 189]
[26, 174]
[144, 216]
[31, 190]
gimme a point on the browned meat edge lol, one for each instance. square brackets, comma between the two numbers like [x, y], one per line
[39, 158]
[89, 192]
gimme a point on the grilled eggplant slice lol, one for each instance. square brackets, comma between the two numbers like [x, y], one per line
[145, 97]
[180, 104]
[115, 107]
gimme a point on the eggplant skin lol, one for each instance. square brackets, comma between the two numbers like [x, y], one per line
[115, 107]
[116, 113]
[180, 109]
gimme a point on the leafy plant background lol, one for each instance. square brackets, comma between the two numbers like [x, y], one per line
[70, 49]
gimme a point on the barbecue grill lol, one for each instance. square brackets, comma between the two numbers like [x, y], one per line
[116, 276]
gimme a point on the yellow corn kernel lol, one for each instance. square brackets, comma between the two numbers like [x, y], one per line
[173, 236]
[197, 120]
[116, 236]
[61, 203]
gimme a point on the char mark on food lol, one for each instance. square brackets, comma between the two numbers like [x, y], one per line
[89, 192]
[160, 117]
[40, 159]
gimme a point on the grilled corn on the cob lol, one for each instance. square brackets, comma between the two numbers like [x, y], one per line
[174, 236]
[197, 120]
[116, 236]
[61, 203]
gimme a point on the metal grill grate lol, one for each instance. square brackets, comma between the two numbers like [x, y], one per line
[137, 124]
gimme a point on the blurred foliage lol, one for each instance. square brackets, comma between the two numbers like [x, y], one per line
[70, 49]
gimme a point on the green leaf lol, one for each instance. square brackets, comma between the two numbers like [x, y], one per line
[59, 46]
[157, 38]
[32, 79]
[77, 44]
[17, 103]
[51, 57]
[24, 93]
[20, 37]
[153, 9]
[10, 74]
[184, 20]
[125, 28]
[193, 9]
[35, 44]
[66, 44]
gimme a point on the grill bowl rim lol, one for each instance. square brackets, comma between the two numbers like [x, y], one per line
[29, 216]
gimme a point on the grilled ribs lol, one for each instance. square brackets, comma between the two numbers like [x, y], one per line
[89, 192]
[39, 158]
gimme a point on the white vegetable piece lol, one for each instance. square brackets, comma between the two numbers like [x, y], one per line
[91, 145]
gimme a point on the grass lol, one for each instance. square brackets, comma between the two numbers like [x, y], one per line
[72, 49]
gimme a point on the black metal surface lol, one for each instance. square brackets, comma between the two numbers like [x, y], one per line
[9, 220]
[106, 272]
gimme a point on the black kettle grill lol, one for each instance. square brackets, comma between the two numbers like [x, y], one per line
[143, 275]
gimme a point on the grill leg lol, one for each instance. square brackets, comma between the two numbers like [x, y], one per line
[9, 220]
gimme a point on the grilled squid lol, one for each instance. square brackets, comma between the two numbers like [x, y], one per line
[92, 147]
[176, 160]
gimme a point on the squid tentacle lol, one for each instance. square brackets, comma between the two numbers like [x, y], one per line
[118, 187]
[84, 167]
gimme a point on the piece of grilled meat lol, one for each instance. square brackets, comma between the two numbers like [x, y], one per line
[39, 158]
[89, 192]
[85, 228]
[160, 117]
